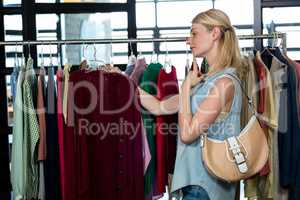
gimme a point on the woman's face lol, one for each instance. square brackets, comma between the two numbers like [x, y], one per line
[201, 40]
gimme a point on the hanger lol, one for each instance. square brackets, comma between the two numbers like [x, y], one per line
[132, 58]
[51, 61]
[167, 65]
[23, 61]
[42, 56]
[153, 55]
[65, 59]
[267, 49]
[274, 39]
[94, 63]
[29, 55]
[283, 50]
[97, 62]
[140, 55]
[16, 62]
[58, 57]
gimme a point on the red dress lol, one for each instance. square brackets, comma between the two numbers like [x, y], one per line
[60, 125]
[262, 78]
[262, 75]
[166, 130]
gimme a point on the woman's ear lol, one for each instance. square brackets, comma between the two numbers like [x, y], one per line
[216, 33]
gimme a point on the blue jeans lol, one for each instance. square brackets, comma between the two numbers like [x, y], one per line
[194, 192]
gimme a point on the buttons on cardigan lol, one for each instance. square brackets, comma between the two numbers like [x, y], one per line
[121, 156]
[121, 140]
[121, 172]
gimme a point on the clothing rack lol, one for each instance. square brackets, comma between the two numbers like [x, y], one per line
[135, 40]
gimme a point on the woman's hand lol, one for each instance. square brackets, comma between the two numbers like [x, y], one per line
[194, 76]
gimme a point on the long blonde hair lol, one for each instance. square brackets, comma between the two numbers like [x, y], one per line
[229, 51]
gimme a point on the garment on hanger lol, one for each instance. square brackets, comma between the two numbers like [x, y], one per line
[42, 126]
[60, 126]
[41, 115]
[285, 83]
[138, 71]
[289, 137]
[288, 158]
[261, 186]
[18, 155]
[261, 73]
[166, 130]
[105, 162]
[148, 83]
[31, 132]
[52, 176]
[278, 76]
[248, 81]
[269, 119]
[146, 148]
[297, 67]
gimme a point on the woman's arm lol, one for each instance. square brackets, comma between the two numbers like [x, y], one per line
[191, 127]
[157, 107]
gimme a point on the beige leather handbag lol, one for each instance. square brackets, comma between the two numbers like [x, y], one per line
[238, 157]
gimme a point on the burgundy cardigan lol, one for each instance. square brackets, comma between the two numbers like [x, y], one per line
[103, 149]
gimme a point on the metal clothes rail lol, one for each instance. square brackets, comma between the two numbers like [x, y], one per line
[135, 40]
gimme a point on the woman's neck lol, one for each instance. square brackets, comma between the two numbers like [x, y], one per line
[212, 59]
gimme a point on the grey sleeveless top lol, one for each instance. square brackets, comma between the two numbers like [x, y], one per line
[189, 169]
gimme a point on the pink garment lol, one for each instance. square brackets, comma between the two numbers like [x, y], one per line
[41, 116]
[146, 149]
[60, 124]
[139, 68]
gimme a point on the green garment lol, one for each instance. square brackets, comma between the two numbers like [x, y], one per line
[148, 83]
[31, 133]
[17, 156]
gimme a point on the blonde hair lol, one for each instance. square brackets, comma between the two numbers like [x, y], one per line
[228, 45]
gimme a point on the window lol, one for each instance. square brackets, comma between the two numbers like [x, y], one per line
[172, 18]
[11, 3]
[83, 26]
[82, 1]
[279, 19]
[145, 14]
[13, 32]
[179, 13]
[240, 12]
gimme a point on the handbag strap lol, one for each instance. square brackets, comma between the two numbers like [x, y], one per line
[250, 102]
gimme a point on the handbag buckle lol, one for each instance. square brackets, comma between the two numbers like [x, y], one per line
[238, 156]
[243, 168]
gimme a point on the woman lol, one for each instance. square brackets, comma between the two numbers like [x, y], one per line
[209, 104]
